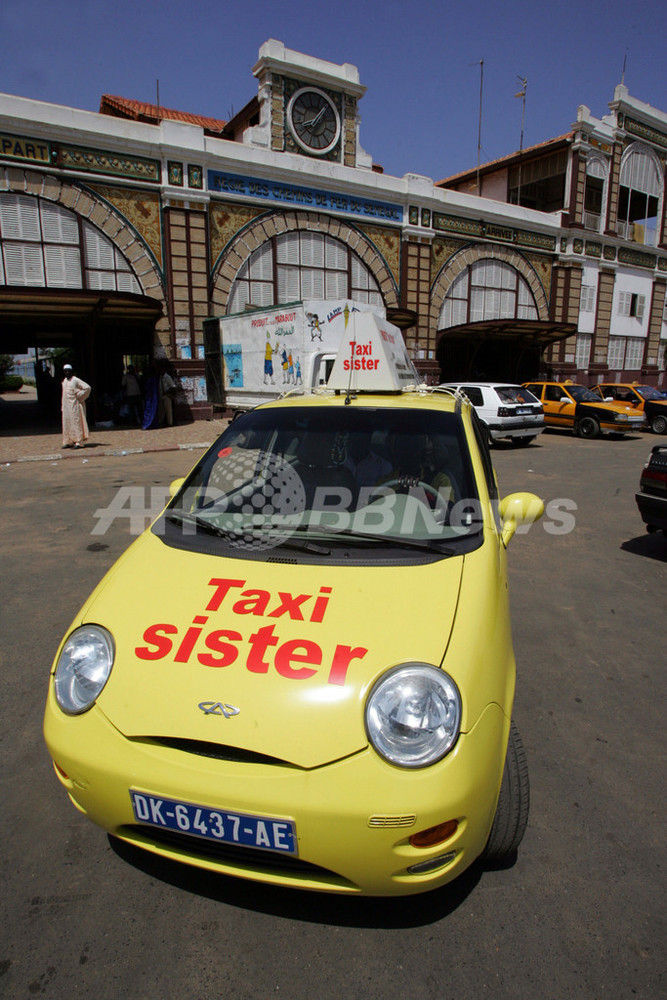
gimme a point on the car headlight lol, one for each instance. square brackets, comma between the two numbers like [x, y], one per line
[413, 715]
[622, 416]
[83, 668]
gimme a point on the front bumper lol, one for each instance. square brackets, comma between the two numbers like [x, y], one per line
[622, 426]
[353, 817]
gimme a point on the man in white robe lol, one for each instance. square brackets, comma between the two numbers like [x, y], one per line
[75, 394]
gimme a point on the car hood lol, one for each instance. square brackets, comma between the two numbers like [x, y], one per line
[276, 658]
[613, 407]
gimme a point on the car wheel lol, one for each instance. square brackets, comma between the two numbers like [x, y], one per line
[522, 442]
[659, 424]
[509, 823]
[587, 427]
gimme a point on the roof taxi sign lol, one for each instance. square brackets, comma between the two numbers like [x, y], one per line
[372, 358]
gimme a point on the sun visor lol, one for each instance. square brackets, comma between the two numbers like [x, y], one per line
[372, 358]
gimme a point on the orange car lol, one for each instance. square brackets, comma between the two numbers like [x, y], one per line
[644, 398]
[569, 405]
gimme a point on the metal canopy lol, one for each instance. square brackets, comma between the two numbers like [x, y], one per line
[48, 316]
[523, 332]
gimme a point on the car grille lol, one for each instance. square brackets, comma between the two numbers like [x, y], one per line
[250, 859]
[216, 751]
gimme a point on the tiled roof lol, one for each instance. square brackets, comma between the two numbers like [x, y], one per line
[528, 153]
[122, 107]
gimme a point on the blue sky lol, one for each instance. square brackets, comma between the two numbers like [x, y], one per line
[419, 60]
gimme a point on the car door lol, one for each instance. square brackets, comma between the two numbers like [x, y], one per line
[558, 405]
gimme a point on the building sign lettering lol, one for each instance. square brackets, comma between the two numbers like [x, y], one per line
[20, 148]
[310, 197]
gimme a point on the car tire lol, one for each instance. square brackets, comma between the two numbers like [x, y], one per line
[509, 823]
[522, 442]
[587, 427]
[659, 424]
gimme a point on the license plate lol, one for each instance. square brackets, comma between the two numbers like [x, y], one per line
[261, 832]
[524, 409]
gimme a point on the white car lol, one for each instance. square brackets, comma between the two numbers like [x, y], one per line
[505, 409]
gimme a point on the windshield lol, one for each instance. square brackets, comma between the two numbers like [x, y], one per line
[515, 394]
[314, 478]
[648, 392]
[582, 395]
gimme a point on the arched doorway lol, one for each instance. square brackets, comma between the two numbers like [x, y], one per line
[72, 283]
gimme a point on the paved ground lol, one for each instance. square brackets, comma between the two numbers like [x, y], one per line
[580, 915]
[24, 436]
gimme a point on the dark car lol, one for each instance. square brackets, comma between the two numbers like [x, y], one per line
[647, 400]
[652, 496]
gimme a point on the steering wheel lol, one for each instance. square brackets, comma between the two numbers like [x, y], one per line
[439, 504]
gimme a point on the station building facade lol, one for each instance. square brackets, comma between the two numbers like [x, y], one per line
[122, 231]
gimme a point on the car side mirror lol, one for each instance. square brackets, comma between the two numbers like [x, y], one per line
[175, 486]
[609, 399]
[518, 509]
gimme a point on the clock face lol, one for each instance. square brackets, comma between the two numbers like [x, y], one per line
[313, 120]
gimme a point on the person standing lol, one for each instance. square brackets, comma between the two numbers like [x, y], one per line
[75, 392]
[131, 389]
[167, 391]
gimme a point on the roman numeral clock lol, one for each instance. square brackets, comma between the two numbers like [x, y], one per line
[314, 122]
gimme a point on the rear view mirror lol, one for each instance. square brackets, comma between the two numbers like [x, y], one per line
[175, 486]
[517, 509]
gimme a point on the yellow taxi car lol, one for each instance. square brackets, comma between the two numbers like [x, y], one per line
[302, 673]
[643, 398]
[569, 405]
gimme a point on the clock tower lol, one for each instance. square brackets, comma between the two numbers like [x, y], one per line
[308, 106]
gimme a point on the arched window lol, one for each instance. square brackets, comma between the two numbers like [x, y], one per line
[488, 289]
[594, 199]
[640, 196]
[44, 245]
[302, 265]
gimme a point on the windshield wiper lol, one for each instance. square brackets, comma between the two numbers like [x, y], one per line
[405, 541]
[180, 517]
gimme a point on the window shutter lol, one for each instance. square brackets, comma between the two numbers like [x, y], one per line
[19, 217]
[99, 250]
[63, 267]
[24, 264]
[287, 248]
[58, 224]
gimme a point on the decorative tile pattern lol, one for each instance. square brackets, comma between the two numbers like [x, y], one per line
[141, 209]
[195, 176]
[449, 223]
[635, 257]
[644, 132]
[388, 243]
[175, 173]
[97, 161]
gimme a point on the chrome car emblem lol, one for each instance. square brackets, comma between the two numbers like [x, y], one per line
[217, 708]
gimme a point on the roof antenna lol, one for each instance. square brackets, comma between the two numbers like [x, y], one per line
[479, 129]
[625, 61]
[523, 81]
